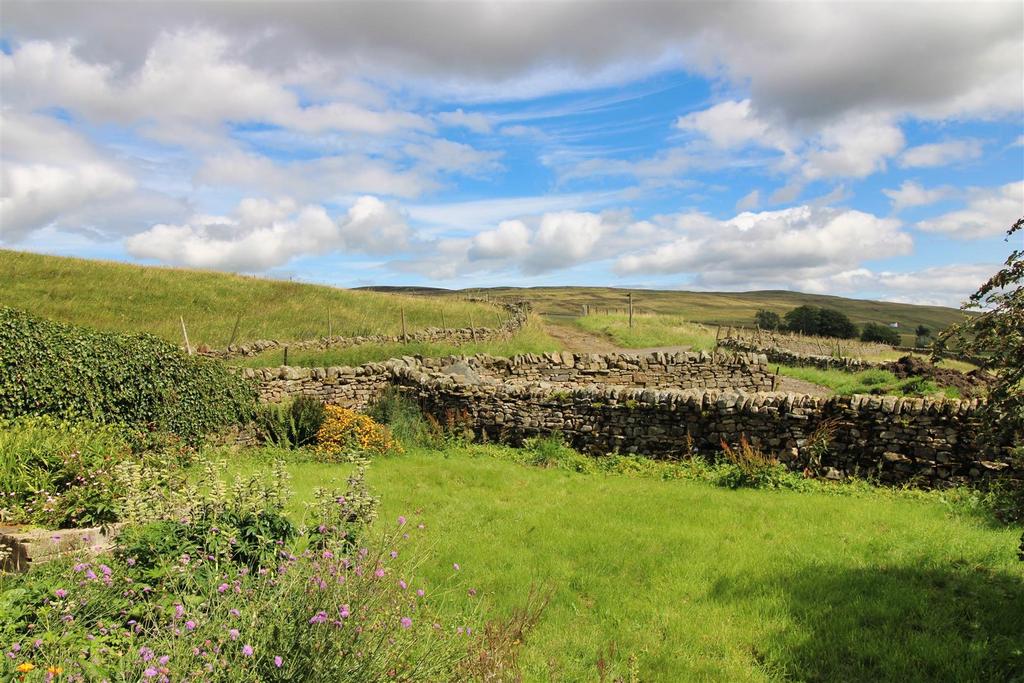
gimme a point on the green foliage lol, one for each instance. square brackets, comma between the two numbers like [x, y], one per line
[876, 332]
[62, 474]
[403, 417]
[291, 424]
[75, 373]
[874, 381]
[822, 322]
[767, 320]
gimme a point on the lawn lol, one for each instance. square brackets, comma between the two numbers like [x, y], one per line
[868, 382]
[649, 330]
[702, 583]
[531, 338]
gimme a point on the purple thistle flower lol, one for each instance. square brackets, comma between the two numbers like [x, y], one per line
[420, 592]
[233, 634]
[406, 622]
[247, 650]
[150, 672]
[318, 618]
[345, 611]
[223, 587]
[401, 520]
[60, 593]
[456, 566]
[278, 661]
[190, 625]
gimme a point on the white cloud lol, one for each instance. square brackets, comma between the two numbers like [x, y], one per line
[453, 157]
[735, 124]
[801, 246]
[911, 194]
[510, 240]
[47, 172]
[854, 148]
[940, 153]
[474, 121]
[989, 212]
[749, 201]
[263, 234]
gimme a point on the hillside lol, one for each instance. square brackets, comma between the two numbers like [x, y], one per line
[720, 308]
[122, 297]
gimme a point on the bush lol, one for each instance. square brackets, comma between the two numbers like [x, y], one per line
[767, 320]
[292, 424]
[875, 332]
[823, 322]
[345, 431]
[405, 420]
[74, 373]
[748, 467]
[176, 602]
[60, 474]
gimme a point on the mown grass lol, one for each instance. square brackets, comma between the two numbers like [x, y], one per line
[531, 338]
[649, 330]
[701, 583]
[868, 382]
[129, 298]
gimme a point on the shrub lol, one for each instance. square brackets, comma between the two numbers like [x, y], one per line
[292, 424]
[72, 372]
[60, 474]
[823, 322]
[747, 467]
[345, 431]
[405, 420]
[767, 320]
[875, 332]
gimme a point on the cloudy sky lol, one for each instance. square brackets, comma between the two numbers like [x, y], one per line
[865, 149]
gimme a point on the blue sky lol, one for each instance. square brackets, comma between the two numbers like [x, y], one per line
[870, 150]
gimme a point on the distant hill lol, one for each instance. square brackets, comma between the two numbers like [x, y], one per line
[718, 308]
[123, 297]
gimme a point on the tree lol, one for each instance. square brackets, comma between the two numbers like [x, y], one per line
[923, 331]
[883, 334]
[803, 319]
[833, 323]
[997, 337]
[767, 320]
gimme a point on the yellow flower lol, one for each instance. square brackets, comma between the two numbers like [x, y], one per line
[25, 667]
[54, 670]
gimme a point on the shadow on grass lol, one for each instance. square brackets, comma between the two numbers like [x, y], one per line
[892, 624]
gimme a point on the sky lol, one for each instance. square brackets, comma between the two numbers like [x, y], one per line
[872, 150]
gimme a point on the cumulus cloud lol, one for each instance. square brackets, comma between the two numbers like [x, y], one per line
[735, 124]
[988, 212]
[911, 194]
[474, 121]
[940, 153]
[855, 147]
[262, 234]
[807, 64]
[803, 245]
[47, 171]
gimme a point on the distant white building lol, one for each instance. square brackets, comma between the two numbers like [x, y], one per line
[894, 324]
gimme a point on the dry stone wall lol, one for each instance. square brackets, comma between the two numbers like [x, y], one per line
[668, 406]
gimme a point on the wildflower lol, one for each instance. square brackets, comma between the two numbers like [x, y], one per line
[60, 593]
[54, 670]
[471, 592]
[420, 592]
[345, 611]
[456, 566]
[318, 618]
[107, 571]
[25, 667]
[150, 672]
[406, 622]
[401, 520]
[394, 554]
[16, 647]
[379, 573]
[247, 650]
[190, 625]
[234, 612]
[328, 554]
[278, 661]
[223, 587]
[233, 634]
[163, 660]
[179, 611]
[402, 584]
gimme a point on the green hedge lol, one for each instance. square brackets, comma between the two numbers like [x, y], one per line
[75, 373]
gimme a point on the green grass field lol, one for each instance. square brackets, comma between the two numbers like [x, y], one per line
[531, 338]
[701, 583]
[867, 382]
[649, 330]
[128, 298]
[723, 308]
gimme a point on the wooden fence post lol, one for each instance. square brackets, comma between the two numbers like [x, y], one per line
[405, 334]
[472, 327]
[184, 333]
[629, 297]
[234, 331]
[286, 356]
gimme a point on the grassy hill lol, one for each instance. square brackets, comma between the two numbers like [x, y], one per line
[122, 297]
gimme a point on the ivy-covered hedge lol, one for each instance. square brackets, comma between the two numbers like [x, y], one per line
[75, 373]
